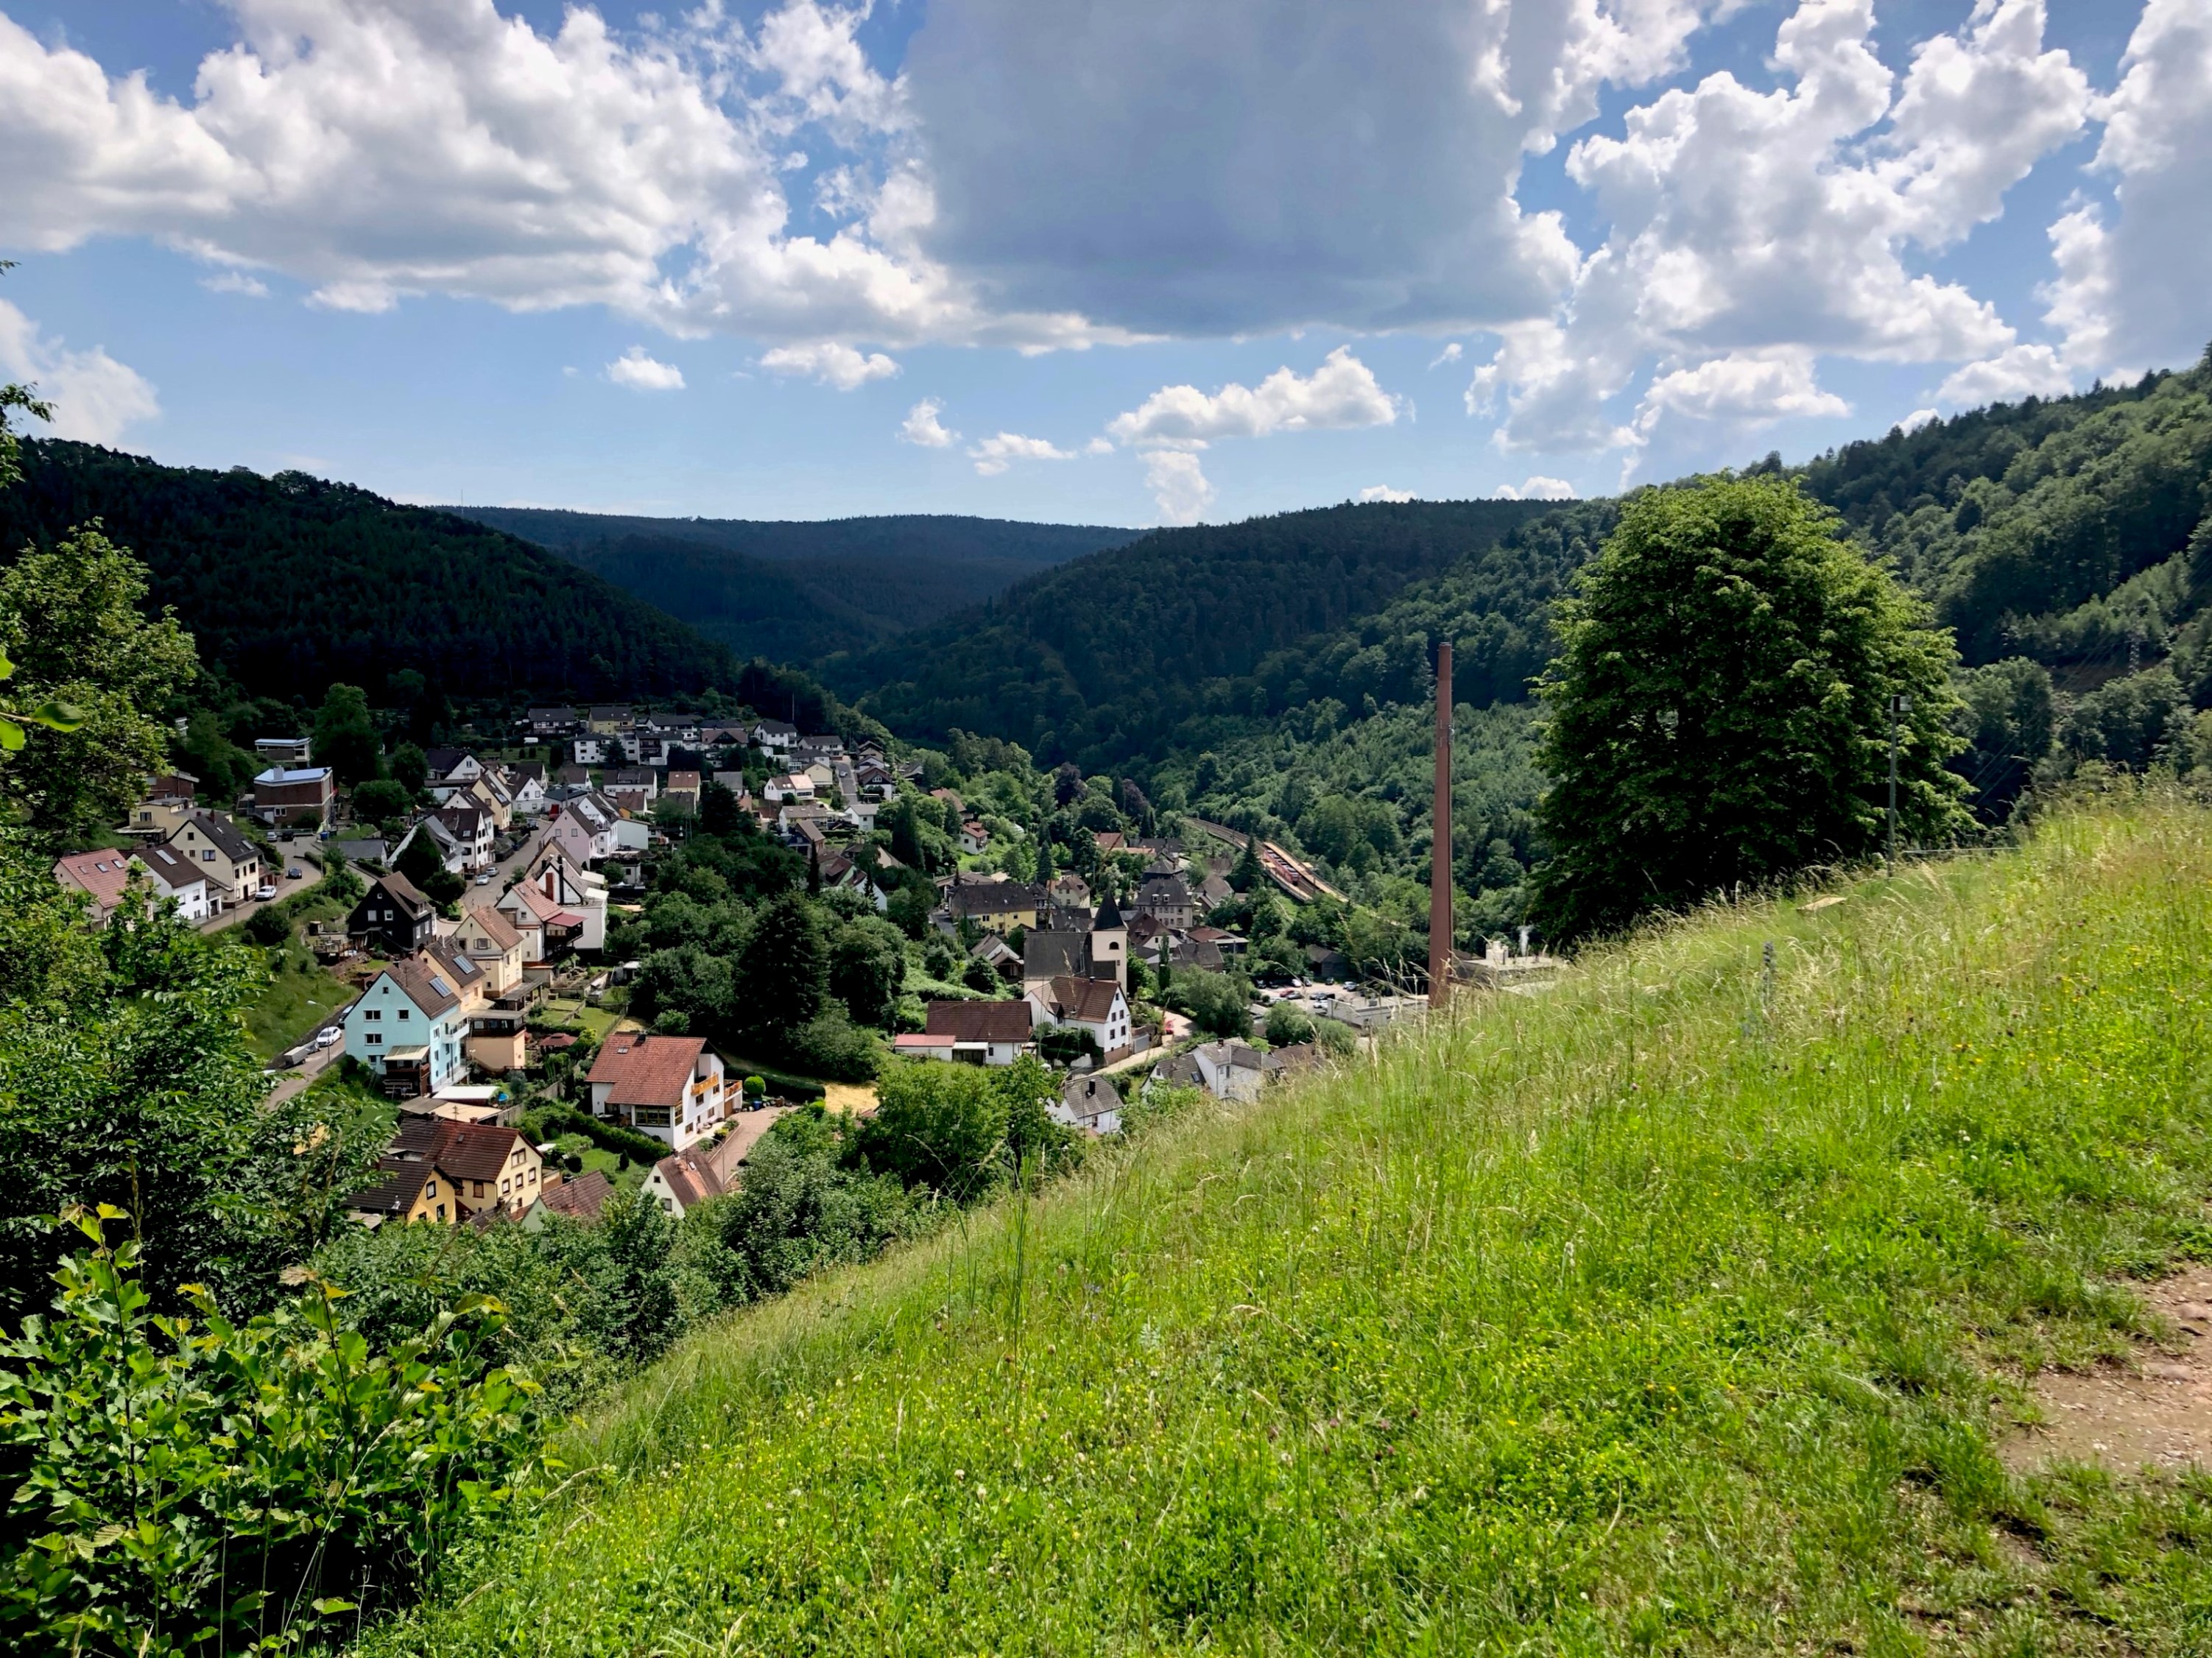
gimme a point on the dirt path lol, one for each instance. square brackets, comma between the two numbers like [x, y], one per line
[2159, 1416]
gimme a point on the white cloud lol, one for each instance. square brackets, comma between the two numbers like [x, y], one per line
[993, 455]
[1384, 492]
[1342, 393]
[1451, 353]
[1918, 418]
[831, 363]
[921, 426]
[1179, 484]
[642, 372]
[2017, 372]
[236, 282]
[2131, 289]
[1766, 228]
[95, 398]
[376, 149]
[1537, 487]
[1748, 389]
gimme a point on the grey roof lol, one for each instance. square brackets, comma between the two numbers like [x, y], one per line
[222, 835]
[1108, 918]
[172, 869]
[994, 898]
[1056, 955]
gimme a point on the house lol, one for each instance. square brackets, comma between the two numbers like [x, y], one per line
[571, 776]
[493, 944]
[996, 906]
[553, 722]
[283, 753]
[473, 832]
[489, 792]
[791, 786]
[498, 1035]
[1096, 1006]
[408, 1026]
[447, 1172]
[995, 953]
[584, 828]
[973, 1032]
[394, 918]
[451, 853]
[1227, 1070]
[1070, 891]
[1167, 898]
[1088, 1103]
[1050, 953]
[101, 876]
[527, 788]
[593, 750]
[975, 839]
[684, 1180]
[775, 736]
[683, 790]
[669, 1087]
[363, 850]
[172, 878]
[605, 719]
[542, 904]
[579, 1197]
[1109, 943]
[641, 779]
[1279, 1065]
[629, 803]
[231, 863]
[168, 800]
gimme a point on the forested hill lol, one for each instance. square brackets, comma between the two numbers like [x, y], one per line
[798, 591]
[1106, 659]
[290, 583]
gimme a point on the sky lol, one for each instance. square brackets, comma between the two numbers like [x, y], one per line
[1124, 262]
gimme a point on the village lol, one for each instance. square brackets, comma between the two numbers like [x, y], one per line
[495, 901]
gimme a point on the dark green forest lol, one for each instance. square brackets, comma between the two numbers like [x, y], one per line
[798, 592]
[1107, 659]
[290, 583]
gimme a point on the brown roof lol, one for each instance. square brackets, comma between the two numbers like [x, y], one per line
[980, 1022]
[424, 978]
[404, 893]
[580, 1199]
[646, 1070]
[494, 925]
[396, 1189]
[102, 874]
[168, 867]
[1090, 1000]
[680, 780]
[460, 1150]
[692, 1179]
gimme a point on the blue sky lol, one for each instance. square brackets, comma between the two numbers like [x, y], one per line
[1130, 263]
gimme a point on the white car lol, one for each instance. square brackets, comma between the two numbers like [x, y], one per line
[330, 1037]
[484, 879]
[266, 894]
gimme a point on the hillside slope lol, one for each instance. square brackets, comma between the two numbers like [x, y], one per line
[1103, 659]
[800, 591]
[291, 582]
[1682, 1310]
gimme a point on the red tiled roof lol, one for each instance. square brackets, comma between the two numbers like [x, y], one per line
[980, 1022]
[102, 874]
[580, 1199]
[1089, 1000]
[690, 1178]
[646, 1070]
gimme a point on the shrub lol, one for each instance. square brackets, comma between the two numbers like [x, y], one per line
[268, 926]
[550, 1121]
[831, 1045]
[191, 1483]
[1288, 1025]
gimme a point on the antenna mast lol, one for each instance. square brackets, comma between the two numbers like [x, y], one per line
[1440, 841]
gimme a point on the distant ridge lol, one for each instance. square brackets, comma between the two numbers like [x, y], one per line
[800, 591]
[292, 582]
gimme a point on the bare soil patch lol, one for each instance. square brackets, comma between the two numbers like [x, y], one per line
[2156, 1415]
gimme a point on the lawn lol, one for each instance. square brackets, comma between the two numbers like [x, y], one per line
[609, 1164]
[574, 1013]
[299, 998]
[1682, 1310]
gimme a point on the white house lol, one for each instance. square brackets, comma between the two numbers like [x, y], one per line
[670, 1087]
[1096, 1006]
[584, 828]
[1091, 1102]
[231, 863]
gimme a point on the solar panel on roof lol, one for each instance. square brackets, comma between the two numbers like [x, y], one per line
[439, 985]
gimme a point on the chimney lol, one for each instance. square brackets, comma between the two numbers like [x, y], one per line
[1440, 841]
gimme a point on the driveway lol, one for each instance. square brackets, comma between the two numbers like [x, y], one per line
[309, 874]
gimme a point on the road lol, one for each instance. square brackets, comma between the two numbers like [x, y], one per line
[300, 1076]
[290, 858]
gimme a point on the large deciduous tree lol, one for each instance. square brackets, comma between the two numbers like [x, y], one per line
[71, 621]
[345, 736]
[1719, 712]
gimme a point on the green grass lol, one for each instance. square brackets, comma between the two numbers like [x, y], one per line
[609, 1164]
[574, 1013]
[299, 999]
[1680, 1311]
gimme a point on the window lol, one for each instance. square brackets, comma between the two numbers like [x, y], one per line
[374, 1038]
[403, 1012]
[442, 1212]
[430, 1190]
[480, 1188]
[372, 1013]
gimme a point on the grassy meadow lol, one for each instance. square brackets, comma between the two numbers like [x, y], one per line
[1680, 1311]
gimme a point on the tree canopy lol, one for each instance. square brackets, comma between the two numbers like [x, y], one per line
[1719, 712]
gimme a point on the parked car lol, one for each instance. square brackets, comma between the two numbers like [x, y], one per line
[265, 894]
[295, 873]
[330, 1035]
[484, 879]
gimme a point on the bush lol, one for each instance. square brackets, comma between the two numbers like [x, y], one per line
[268, 926]
[550, 1121]
[260, 1473]
[831, 1045]
[1218, 1003]
[1288, 1025]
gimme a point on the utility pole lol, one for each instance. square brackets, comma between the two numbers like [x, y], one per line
[1440, 841]
[1900, 704]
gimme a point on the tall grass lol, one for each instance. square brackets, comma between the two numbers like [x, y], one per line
[1678, 1310]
